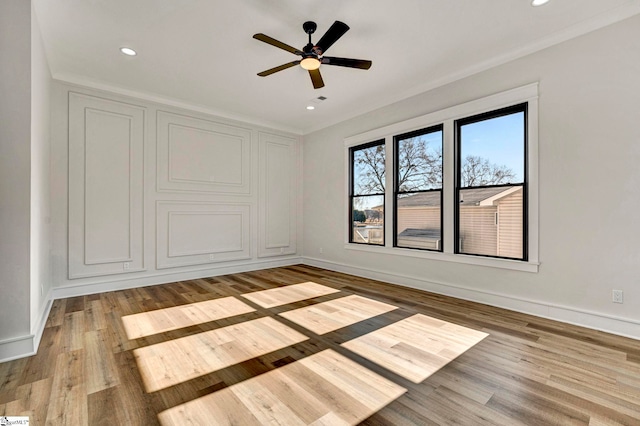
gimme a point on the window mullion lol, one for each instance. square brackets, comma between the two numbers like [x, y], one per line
[448, 187]
[389, 192]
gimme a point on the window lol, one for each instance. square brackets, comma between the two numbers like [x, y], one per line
[418, 189]
[491, 184]
[462, 183]
[367, 190]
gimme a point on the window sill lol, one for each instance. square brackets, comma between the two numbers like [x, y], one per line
[514, 265]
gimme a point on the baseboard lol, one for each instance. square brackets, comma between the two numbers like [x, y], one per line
[42, 321]
[24, 346]
[124, 283]
[620, 326]
[17, 347]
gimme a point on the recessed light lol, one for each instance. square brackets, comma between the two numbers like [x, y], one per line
[538, 2]
[310, 107]
[128, 51]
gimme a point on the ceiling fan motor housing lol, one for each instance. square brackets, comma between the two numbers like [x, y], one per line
[309, 27]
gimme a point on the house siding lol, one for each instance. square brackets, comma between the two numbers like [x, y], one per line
[481, 232]
[418, 218]
[478, 230]
[510, 220]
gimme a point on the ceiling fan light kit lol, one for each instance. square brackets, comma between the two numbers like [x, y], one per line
[310, 63]
[312, 54]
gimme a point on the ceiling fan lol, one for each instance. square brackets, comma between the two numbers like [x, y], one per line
[312, 54]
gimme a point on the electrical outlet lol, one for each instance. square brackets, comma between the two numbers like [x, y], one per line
[126, 265]
[321, 250]
[617, 296]
[211, 257]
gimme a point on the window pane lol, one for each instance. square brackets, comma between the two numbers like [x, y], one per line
[420, 162]
[492, 228]
[419, 220]
[418, 188]
[367, 224]
[491, 188]
[369, 170]
[492, 151]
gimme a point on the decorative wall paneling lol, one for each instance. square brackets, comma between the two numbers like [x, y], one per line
[277, 196]
[106, 140]
[195, 233]
[172, 193]
[197, 155]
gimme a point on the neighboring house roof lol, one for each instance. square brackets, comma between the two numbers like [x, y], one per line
[472, 197]
[420, 233]
[422, 199]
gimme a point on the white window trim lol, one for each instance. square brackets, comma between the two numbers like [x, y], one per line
[529, 94]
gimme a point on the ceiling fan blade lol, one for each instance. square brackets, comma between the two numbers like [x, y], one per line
[272, 41]
[279, 68]
[332, 35]
[316, 79]
[347, 62]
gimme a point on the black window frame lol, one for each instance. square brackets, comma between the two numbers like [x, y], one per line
[521, 107]
[352, 194]
[396, 183]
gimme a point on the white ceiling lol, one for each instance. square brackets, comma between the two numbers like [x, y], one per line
[201, 54]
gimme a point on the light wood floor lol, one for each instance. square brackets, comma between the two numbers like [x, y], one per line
[145, 356]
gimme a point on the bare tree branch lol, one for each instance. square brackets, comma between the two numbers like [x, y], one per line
[370, 163]
[477, 171]
[420, 168]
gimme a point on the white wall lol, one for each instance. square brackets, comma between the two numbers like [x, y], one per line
[40, 177]
[15, 158]
[589, 92]
[144, 193]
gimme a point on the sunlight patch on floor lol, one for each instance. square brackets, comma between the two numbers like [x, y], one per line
[322, 389]
[161, 320]
[415, 347]
[335, 314]
[176, 361]
[288, 294]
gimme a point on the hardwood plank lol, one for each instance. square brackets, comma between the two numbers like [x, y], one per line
[329, 316]
[74, 304]
[289, 294]
[73, 331]
[100, 369]
[10, 375]
[68, 402]
[35, 398]
[56, 315]
[94, 316]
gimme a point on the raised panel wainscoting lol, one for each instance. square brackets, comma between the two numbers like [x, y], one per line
[191, 233]
[156, 193]
[196, 155]
[278, 206]
[106, 141]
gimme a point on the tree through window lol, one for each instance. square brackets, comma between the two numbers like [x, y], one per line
[367, 193]
[418, 189]
[491, 185]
